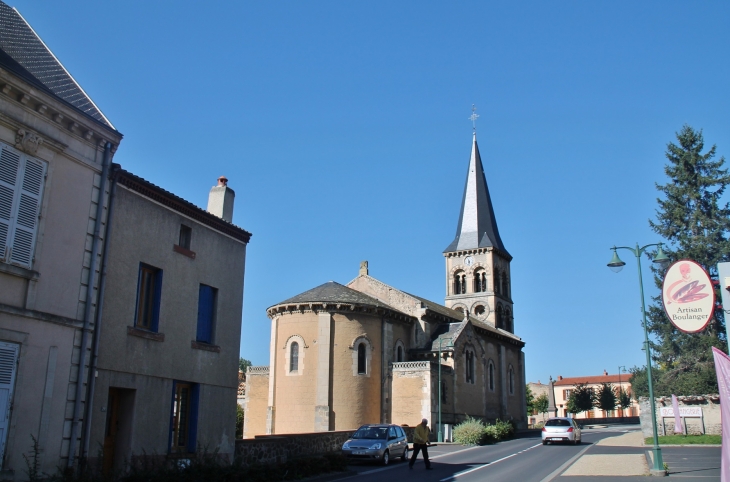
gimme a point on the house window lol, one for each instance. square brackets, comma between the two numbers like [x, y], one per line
[186, 234]
[566, 394]
[207, 297]
[491, 376]
[149, 289]
[21, 189]
[294, 357]
[184, 417]
[361, 359]
[399, 354]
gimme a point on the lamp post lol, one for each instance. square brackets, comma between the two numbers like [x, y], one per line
[616, 265]
[450, 345]
[620, 390]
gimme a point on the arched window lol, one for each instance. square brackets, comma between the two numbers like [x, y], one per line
[294, 357]
[361, 359]
[480, 281]
[467, 366]
[497, 284]
[508, 321]
[459, 309]
[511, 381]
[500, 317]
[398, 354]
[504, 290]
[491, 375]
[459, 283]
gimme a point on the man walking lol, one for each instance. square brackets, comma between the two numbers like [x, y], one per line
[421, 443]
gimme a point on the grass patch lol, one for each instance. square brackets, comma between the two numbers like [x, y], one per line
[686, 440]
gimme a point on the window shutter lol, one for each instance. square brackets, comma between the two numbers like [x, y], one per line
[29, 204]
[8, 364]
[9, 163]
[205, 314]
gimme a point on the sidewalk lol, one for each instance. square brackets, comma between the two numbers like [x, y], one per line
[625, 458]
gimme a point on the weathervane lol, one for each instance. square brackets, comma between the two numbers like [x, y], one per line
[473, 117]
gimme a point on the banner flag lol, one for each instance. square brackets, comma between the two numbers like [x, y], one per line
[677, 418]
[722, 366]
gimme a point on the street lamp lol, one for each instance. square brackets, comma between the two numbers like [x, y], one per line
[620, 390]
[450, 345]
[662, 261]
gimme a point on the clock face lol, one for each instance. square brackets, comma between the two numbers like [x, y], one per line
[468, 261]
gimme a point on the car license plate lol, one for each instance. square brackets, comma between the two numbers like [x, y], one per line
[555, 438]
[358, 452]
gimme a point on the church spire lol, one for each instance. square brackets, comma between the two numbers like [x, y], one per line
[477, 226]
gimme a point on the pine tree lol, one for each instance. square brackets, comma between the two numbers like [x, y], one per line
[695, 226]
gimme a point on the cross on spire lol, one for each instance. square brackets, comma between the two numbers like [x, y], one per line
[473, 117]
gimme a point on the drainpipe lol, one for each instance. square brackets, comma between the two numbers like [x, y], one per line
[87, 311]
[382, 370]
[91, 383]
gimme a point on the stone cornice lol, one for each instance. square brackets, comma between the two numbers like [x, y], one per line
[52, 109]
[330, 307]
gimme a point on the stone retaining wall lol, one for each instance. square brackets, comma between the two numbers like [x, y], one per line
[270, 449]
[709, 423]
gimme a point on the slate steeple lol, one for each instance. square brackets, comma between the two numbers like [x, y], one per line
[477, 226]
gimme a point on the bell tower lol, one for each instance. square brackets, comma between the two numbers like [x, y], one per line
[477, 263]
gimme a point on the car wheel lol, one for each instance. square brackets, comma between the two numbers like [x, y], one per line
[544, 442]
[386, 458]
[404, 457]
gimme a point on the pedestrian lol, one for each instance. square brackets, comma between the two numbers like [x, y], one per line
[421, 443]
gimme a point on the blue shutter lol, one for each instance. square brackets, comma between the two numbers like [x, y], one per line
[158, 298]
[172, 417]
[205, 314]
[193, 420]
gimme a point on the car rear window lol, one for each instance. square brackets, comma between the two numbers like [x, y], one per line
[557, 423]
[371, 433]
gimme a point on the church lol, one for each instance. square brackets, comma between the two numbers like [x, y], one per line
[366, 352]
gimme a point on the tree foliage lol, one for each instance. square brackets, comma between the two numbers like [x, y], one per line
[606, 397]
[529, 399]
[582, 398]
[243, 364]
[541, 404]
[624, 399]
[695, 226]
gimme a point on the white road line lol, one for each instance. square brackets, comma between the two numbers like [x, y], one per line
[430, 458]
[459, 474]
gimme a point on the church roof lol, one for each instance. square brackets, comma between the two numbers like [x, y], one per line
[333, 292]
[24, 53]
[477, 226]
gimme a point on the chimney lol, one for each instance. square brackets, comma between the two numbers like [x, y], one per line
[220, 200]
[605, 373]
[363, 268]
[560, 377]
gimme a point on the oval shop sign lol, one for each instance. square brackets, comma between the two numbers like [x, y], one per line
[688, 297]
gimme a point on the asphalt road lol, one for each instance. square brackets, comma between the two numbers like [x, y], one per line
[522, 459]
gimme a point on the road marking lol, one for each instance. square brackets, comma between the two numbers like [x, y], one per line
[430, 458]
[565, 466]
[459, 474]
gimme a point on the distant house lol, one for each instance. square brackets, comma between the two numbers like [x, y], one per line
[563, 387]
[537, 389]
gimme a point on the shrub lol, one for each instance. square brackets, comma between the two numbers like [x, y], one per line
[469, 432]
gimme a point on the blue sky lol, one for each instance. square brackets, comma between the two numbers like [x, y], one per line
[343, 128]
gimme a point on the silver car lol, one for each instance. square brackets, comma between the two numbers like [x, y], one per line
[561, 429]
[377, 442]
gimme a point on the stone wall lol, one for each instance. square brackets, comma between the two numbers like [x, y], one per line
[709, 423]
[270, 449]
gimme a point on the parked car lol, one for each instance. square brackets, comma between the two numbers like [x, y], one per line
[561, 430]
[377, 442]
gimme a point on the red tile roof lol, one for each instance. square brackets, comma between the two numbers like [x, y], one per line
[594, 380]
